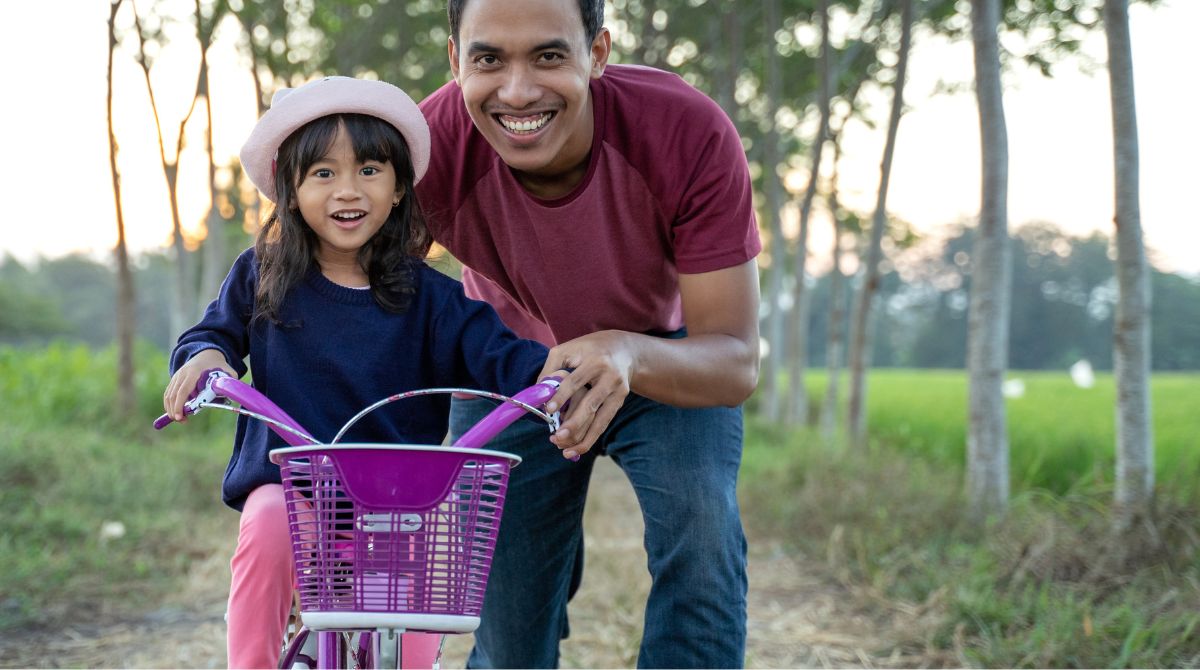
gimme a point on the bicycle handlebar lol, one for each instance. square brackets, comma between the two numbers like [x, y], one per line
[215, 386]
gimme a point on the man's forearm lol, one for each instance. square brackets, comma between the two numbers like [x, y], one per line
[702, 370]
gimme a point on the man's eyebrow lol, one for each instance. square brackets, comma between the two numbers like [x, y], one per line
[553, 45]
[482, 48]
[478, 48]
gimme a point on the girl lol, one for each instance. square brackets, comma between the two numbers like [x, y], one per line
[335, 309]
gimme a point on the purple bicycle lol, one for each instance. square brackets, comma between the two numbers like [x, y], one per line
[386, 538]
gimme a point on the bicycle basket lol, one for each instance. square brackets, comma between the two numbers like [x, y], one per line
[401, 536]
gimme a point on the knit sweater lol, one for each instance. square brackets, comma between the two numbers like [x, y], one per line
[334, 350]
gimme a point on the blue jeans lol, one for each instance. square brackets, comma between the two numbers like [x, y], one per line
[683, 465]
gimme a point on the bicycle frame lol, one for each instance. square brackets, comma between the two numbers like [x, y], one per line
[334, 648]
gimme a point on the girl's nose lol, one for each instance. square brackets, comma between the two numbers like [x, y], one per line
[346, 188]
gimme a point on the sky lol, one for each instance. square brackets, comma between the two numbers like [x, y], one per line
[1059, 134]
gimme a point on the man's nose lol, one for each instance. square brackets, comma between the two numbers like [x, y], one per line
[520, 87]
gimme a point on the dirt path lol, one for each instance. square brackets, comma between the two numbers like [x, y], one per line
[798, 617]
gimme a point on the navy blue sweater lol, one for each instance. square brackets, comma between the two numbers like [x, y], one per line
[335, 350]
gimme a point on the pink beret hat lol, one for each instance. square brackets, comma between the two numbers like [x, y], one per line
[291, 108]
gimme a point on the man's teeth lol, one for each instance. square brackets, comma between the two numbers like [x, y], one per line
[525, 126]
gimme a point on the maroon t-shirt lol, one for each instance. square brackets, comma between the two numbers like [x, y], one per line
[667, 191]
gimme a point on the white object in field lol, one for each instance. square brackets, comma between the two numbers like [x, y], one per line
[1013, 388]
[1082, 374]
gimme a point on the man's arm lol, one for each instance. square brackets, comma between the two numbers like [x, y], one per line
[716, 364]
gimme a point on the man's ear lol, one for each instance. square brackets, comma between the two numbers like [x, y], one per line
[601, 48]
[452, 52]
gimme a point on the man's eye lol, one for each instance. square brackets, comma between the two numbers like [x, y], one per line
[550, 57]
[487, 60]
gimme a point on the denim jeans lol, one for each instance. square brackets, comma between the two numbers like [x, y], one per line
[683, 465]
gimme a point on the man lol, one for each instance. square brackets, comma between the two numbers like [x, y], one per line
[605, 211]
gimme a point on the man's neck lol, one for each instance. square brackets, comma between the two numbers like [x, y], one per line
[557, 181]
[554, 186]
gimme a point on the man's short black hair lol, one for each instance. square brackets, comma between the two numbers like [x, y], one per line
[592, 12]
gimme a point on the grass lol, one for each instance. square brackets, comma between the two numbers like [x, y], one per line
[1029, 591]
[1061, 436]
[99, 514]
[1038, 589]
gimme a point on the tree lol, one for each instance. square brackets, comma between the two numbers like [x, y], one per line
[859, 328]
[1131, 334]
[214, 250]
[771, 407]
[126, 304]
[988, 316]
[835, 340]
[797, 409]
[183, 305]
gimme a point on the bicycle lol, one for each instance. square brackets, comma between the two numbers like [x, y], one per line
[376, 556]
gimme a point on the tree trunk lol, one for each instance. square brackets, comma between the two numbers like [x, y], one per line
[183, 308]
[797, 407]
[727, 31]
[1131, 336]
[126, 304]
[645, 53]
[988, 319]
[837, 311]
[770, 401]
[215, 246]
[856, 418]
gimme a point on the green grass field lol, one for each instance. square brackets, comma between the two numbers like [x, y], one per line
[1039, 588]
[1060, 436]
[98, 515]
[1016, 594]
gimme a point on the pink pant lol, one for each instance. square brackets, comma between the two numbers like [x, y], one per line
[260, 593]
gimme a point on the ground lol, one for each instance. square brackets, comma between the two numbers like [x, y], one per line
[800, 615]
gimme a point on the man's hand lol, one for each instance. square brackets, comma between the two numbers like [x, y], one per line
[602, 365]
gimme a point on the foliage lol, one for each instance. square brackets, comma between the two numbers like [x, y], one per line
[73, 472]
[1063, 300]
[1063, 296]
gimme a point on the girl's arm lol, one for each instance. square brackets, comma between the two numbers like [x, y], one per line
[220, 340]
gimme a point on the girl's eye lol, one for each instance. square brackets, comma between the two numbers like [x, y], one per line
[323, 173]
[370, 170]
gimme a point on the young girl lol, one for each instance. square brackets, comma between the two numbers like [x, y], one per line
[335, 309]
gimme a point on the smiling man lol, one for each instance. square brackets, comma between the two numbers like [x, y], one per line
[606, 211]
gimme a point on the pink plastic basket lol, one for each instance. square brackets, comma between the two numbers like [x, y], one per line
[393, 530]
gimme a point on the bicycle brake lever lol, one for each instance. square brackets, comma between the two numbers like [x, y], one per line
[204, 394]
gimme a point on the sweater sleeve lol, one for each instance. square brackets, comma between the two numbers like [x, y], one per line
[482, 352]
[225, 324]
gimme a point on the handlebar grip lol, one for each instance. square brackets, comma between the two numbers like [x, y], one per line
[204, 391]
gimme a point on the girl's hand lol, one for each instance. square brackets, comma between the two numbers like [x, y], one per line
[183, 383]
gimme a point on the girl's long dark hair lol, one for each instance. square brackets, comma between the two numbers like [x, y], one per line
[286, 247]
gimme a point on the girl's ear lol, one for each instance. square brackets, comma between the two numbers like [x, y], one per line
[399, 195]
